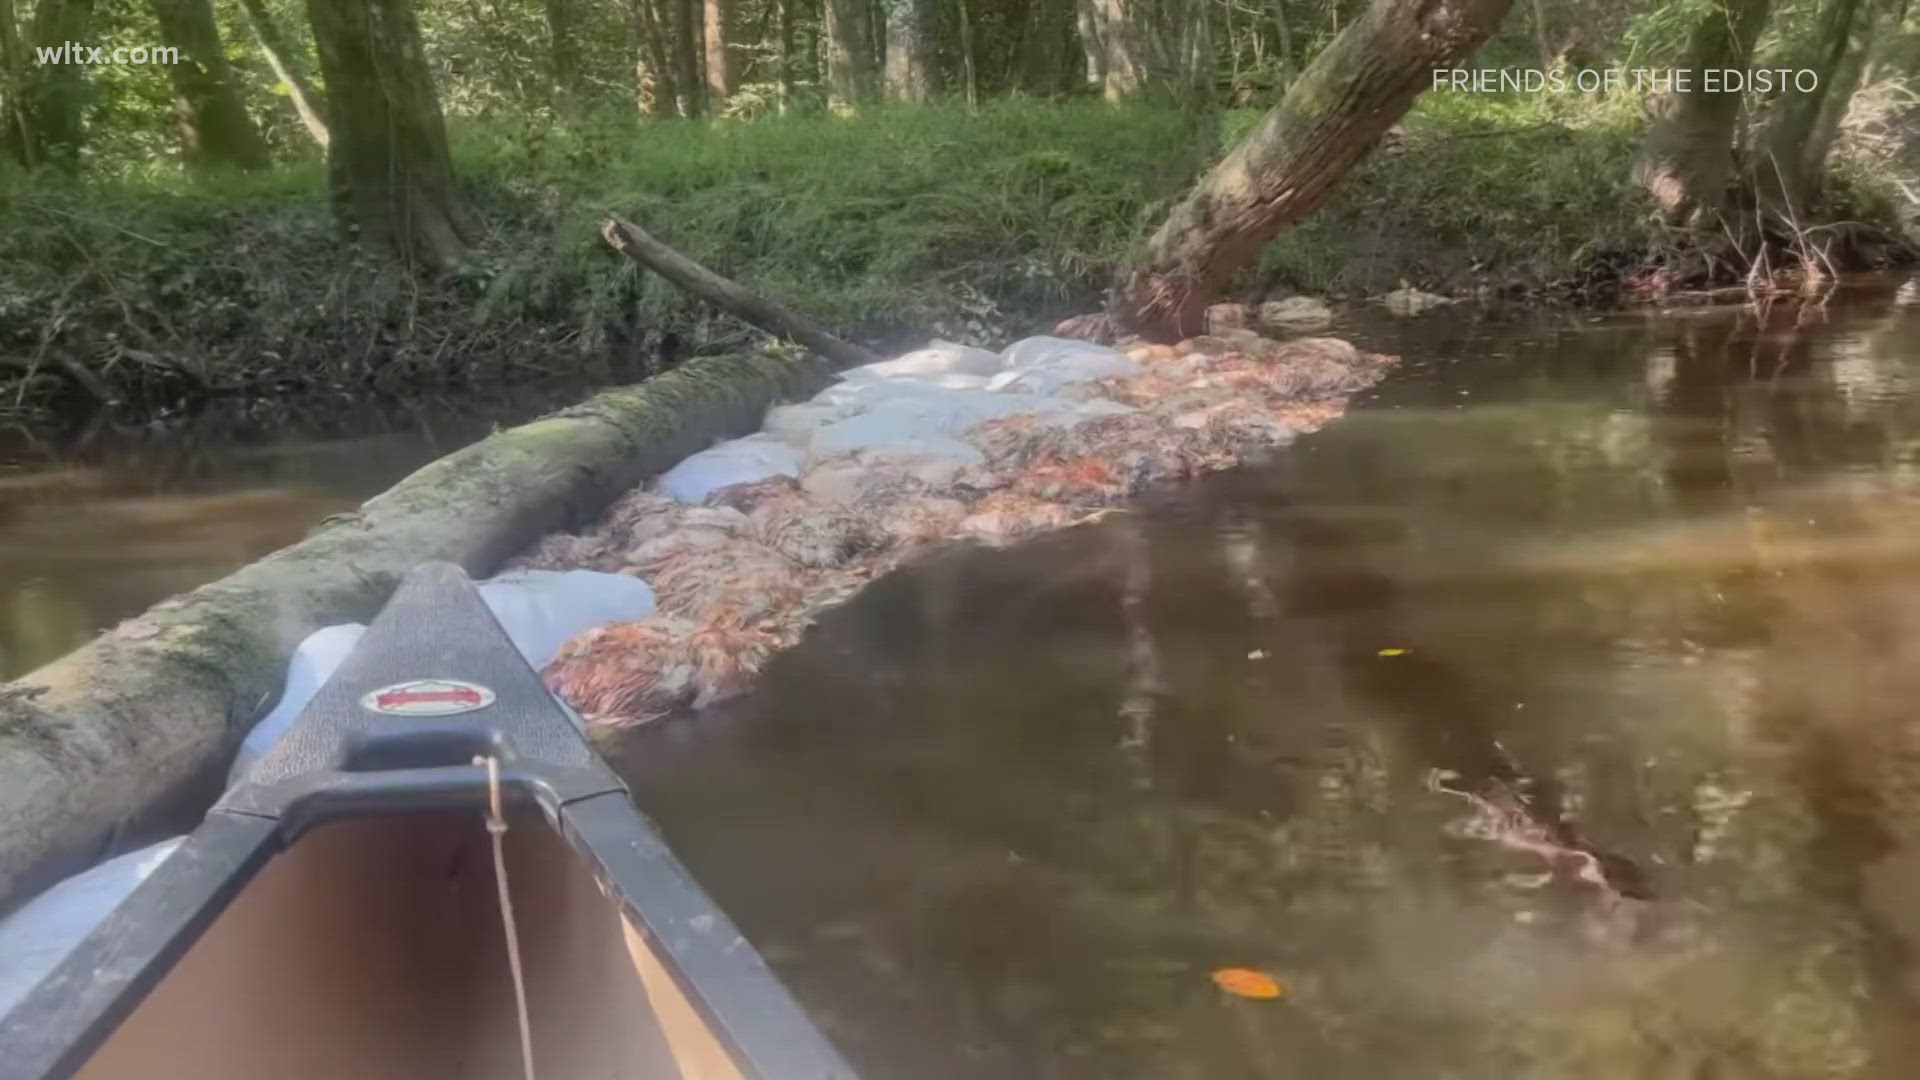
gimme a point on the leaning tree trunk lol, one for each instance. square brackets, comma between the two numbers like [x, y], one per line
[1356, 89]
[1689, 151]
[722, 78]
[913, 31]
[1868, 32]
[388, 162]
[1788, 169]
[306, 99]
[215, 130]
[102, 735]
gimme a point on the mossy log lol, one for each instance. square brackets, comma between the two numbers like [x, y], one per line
[102, 735]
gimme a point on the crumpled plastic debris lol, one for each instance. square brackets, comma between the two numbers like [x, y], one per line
[908, 454]
[736, 461]
[939, 358]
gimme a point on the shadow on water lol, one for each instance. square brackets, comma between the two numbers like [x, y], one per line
[1548, 716]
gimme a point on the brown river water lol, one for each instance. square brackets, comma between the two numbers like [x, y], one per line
[1551, 715]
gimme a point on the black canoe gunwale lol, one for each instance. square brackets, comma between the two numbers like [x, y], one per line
[319, 773]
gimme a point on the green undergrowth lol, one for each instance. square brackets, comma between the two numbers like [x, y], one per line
[1506, 193]
[890, 227]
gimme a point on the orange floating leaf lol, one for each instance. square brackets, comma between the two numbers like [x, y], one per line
[1248, 983]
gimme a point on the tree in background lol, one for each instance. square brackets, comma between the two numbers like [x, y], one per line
[913, 38]
[389, 167]
[1791, 158]
[16, 123]
[1689, 154]
[46, 99]
[690, 84]
[215, 130]
[1356, 89]
[849, 52]
[563, 52]
[287, 67]
[722, 77]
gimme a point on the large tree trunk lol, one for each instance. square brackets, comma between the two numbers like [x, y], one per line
[52, 96]
[1356, 89]
[306, 99]
[388, 162]
[1788, 168]
[850, 74]
[215, 130]
[722, 79]
[1689, 150]
[913, 32]
[102, 735]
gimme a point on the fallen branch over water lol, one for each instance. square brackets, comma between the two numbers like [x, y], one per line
[635, 243]
[110, 730]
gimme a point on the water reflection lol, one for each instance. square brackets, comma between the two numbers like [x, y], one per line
[1548, 717]
[85, 545]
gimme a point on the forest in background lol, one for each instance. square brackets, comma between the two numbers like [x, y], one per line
[353, 196]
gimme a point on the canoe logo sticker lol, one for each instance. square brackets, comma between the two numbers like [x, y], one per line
[428, 697]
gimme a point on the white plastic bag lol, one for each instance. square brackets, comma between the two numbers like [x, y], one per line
[795, 424]
[542, 610]
[1043, 365]
[737, 461]
[34, 939]
[939, 358]
[903, 440]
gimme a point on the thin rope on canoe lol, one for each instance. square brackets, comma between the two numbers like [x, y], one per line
[497, 828]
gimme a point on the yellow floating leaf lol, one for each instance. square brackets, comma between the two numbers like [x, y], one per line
[1248, 983]
[1393, 652]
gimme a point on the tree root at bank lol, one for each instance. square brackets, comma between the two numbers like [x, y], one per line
[103, 734]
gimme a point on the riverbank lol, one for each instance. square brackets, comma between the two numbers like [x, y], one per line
[973, 225]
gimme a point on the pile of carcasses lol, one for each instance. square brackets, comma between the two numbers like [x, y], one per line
[746, 543]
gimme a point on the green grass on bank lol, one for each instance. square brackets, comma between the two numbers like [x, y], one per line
[1508, 191]
[891, 226]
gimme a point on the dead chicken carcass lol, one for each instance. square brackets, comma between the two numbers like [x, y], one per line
[697, 528]
[812, 532]
[626, 674]
[744, 578]
[1005, 517]
[570, 551]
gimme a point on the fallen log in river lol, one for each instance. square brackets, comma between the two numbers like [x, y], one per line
[100, 736]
